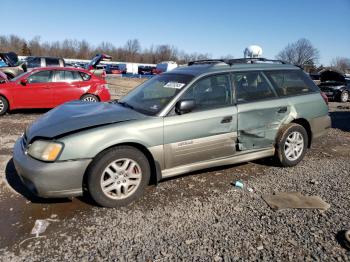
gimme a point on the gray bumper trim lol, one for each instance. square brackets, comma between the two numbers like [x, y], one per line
[58, 179]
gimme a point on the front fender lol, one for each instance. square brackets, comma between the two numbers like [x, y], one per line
[88, 143]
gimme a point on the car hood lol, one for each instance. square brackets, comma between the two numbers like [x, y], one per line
[332, 76]
[76, 115]
[97, 59]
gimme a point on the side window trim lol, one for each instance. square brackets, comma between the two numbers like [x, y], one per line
[260, 72]
[275, 85]
[232, 100]
[273, 88]
[50, 80]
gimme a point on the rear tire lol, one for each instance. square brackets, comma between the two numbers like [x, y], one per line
[4, 105]
[118, 176]
[291, 145]
[89, 98]
[344, 96]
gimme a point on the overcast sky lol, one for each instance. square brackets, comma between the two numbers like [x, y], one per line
[217, 27]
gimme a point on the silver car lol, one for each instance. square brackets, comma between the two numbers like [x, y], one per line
[209, 113]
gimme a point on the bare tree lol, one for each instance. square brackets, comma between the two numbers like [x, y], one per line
[341, 63]
[300, 53]
[71, 48]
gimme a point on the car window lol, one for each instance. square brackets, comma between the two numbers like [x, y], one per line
[33, 62]
[291, 82]
[153, 95]
[52, 62]
[40, 77]
[86, 77]
[210, 92]
[67, 76]
[252, 86]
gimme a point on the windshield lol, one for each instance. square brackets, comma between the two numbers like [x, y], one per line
[153, 95]
[18, 77]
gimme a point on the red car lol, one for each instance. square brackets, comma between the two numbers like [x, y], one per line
[51, 86]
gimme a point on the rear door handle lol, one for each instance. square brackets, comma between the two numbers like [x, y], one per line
[282, 109]
[226, 119]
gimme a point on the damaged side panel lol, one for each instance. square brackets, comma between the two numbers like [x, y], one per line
[259, 122]
[257, 128]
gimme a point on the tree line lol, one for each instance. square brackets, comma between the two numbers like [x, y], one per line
[302, 52]
[71, 48]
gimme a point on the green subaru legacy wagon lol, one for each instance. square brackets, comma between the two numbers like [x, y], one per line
[208, 113]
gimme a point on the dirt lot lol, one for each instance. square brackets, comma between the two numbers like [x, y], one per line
[200, 216]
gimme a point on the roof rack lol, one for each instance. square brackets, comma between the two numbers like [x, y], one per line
[206, 61]
[253, 60]
[235, 61]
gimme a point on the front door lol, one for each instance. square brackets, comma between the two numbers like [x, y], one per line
[260, 111]
[37, 92]
[209, 131]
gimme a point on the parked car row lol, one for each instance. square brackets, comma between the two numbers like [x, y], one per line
[48, 87]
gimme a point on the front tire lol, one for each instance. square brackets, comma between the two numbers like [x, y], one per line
[291, 145]
[4, 105]
[344, 96]
[89, 98]
[118, 176]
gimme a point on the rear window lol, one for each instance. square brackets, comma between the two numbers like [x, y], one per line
[52, 62]
[291, 82]
[33, 62]
[67, 76]
[85, 76]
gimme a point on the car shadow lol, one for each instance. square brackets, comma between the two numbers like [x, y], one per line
[29, 111]
[341, 120]
[15, 182]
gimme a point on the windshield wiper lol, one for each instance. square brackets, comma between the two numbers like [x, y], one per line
[125, 104]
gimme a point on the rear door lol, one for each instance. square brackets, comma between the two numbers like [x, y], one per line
[260, 110]
[209, 131]
[66, 86]
[37, 93]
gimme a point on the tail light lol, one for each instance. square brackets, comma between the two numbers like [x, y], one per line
[325, 98]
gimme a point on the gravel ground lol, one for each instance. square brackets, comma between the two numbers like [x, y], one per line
[199, 217]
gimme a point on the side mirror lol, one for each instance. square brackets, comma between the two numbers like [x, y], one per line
[24, 82]
[185, 106]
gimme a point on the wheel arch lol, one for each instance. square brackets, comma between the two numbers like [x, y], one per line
[304, 123]
[154, 166]
[7, 99]
[99, 99]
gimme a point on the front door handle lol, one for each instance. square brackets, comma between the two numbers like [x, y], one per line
[226, 119]
[282, 109]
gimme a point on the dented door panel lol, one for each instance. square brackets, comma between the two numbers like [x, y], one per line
[199, 136]
[259, 122]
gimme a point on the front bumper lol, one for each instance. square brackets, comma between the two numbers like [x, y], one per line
[57, 179]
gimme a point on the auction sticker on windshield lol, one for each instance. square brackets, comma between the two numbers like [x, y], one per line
[175, 85]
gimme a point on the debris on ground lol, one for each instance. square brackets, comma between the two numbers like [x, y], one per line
[314, 182]
[285, 200]
[39, 227]
[239, 184]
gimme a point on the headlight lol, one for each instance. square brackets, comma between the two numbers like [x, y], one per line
[45, 150]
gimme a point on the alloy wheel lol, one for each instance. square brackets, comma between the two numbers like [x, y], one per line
[294, 146]
[344, 96]
[89, 99]
[121, 178]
